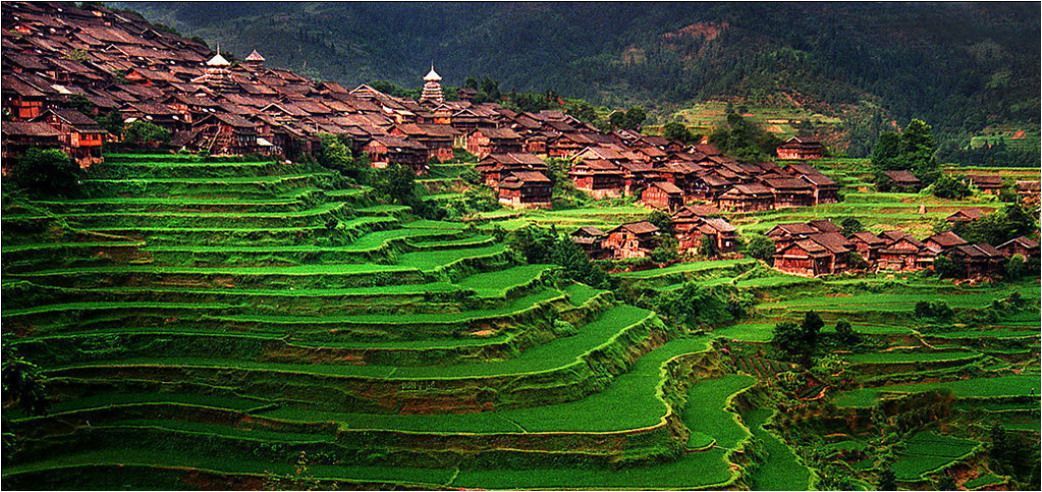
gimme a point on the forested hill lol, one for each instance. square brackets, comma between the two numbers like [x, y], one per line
[962, 66]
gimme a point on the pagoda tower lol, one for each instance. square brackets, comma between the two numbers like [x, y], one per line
[254, 60]
[218, 75]
[432, 88]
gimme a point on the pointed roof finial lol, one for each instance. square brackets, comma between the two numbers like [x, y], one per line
[218, 60]
[432, 76]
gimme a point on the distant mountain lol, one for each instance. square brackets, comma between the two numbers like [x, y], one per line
[962, 66]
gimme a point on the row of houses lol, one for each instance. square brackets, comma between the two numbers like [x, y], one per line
[692, 226]
[66, 65]
[820, 248]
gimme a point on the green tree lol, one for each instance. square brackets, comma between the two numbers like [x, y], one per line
[662, 220]
[678, 132]
[851, 225]
[846, 333]
[47, 171]
[948, 186]
[913, 150]
[743, 140]
[336, 156]
[760, 247]
[1016, 268]
[707, 248]
[145, 134]
[23, 382]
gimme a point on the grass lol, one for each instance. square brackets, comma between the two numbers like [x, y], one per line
[781, 470]
[1006, 386]
[683, 268]
[929, 452]
[497, 283]
[707, 412]
[916, 357]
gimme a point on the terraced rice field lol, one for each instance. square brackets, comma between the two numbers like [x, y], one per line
[263, 311]
[217, 323]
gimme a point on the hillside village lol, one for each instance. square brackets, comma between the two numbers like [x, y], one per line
[219, 274]
[66, 67]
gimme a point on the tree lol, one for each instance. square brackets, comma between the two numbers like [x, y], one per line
[694, 305]
[744, 140]
[1016, 268]
[846, 333]
[851, 225]
[47, 171]
[887, 479]
[799, 341]
[998, 227]
[948, 186]
[946, 267]
[662, 220]
[666, 251]
[336, 155]
[112, 122]
[145, 134]
[23, 382]
[707, 248]
[912, 150]
[760, 247]
[678, 132]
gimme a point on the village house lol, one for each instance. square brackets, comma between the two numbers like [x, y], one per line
[784, 234]
[1023, 246]
[790, 192]
[495, 167]
[903, 253]
[943, 242]
[747, 198]
[1028, 193]
[589, 238]
[662, 195]
[597, 177]
[19, 136]
[867, 245]
[800, 148]
[804, 257]
[485, 141]
[81, 137]
[385, 150]
[632, 240]
[965, 215]
[720, 233]
[437, 139]
[978, 260]
[223, 133]
[990, 184]
[902, 180]
[526, 189]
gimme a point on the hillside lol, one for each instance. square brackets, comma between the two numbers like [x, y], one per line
[963, 67]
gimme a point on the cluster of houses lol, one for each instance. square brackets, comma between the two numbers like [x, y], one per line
[66, 66]
[820, 248]
[693, 226]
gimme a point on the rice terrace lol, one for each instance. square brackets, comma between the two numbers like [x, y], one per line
[618, 246]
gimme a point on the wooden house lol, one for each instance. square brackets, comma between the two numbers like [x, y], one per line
[790, 192]
[662, 195]
[495, 167]
[723, 235]
[901, 180]
[633, 240]
[990, 184]
[1023, 246]
[597, 177]
[965, 215]
[437, 139]
[867, 245]
[978, 260]
[385, 150]
[222, 133]
[19, 136]
[803, 257]
[903, 253]
[589, 238]
[1028, 193]
[526, 189]
[801, 148]
[747, 198]
[943, 242]
[485, 141]
[81, 137]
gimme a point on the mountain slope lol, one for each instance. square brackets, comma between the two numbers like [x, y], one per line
[962, 66]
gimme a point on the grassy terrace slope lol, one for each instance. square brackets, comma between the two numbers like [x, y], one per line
[210, 320]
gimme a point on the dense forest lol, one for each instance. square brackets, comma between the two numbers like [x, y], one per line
[961, 66]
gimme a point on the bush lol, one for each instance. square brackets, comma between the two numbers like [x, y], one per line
[946, 267]
[761, 248]
[336, 156]
[47, 171]
[694, 305]
[1016, 267]
[539, 245]
[938, 310]
[145, 134]
[948, 186]
[851, 225]
[846, 333]
[998, 227]
[799, 341]
[666, 251]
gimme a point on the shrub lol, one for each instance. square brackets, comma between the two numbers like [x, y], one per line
[948, 186]
[336, 156]
[946, 267]
[539, 245]
[851, 225]
[666, 251]
[145, 134]
[846, 333]
[1016, 268]
[799, 341]
[761, 248]
[47, 171]
[938, 310]
[694, 305]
